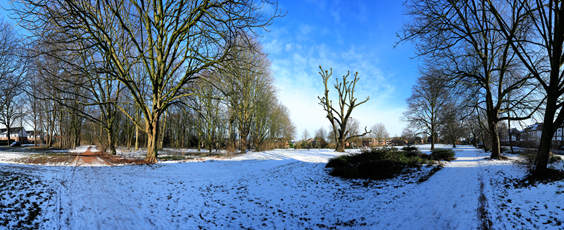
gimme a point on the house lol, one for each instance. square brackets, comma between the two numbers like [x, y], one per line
[559, 134]
[35, 135]
[373, 142]
[531, 136]
[532, 133]
[515, 136]
[16, 133]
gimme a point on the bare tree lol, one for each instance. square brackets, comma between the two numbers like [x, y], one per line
[429, 96]
[452, 128]
[339, 116]
[246, 82]
[380, 133]
[305, 135]
[408, 135]
[320, 135]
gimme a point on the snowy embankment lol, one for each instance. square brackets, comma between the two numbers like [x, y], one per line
[290, 190]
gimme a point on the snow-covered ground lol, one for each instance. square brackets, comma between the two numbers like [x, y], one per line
[284, 189]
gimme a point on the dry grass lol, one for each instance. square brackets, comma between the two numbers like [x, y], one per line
[122, 160]
[44, 159]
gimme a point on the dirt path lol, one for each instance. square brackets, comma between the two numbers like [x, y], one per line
[89, 158]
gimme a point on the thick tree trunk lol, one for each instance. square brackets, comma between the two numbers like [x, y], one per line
[340, 145]
[111, 142]
[541, 161]
[494, 136]
[152, 140]
[243, 146]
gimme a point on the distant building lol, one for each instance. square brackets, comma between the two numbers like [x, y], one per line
[35, 135]
[16, 133]
[531, 135]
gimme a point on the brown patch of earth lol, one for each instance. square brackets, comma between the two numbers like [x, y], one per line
[89, 158]
[63, 159]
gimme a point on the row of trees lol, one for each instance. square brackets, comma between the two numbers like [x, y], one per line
[323, 139]
[173, 73]
[492, 60]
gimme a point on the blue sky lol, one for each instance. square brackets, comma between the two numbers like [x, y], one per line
[356, 36]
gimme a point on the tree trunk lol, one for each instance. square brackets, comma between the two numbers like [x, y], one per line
[152, 139]
[162, 134]
[243, 146]
[9, 134]
[340, 145]
[494, 140]
[432, 142]
[541, 161]
[510, 137]
[136, 130]
[111, 142]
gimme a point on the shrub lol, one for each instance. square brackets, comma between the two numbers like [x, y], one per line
[5, 142]
[442, 154]
[339, 161]
[411, 151]
[374, 164]
[425, 156]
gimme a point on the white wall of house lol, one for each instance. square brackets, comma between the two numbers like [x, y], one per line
[21, 133]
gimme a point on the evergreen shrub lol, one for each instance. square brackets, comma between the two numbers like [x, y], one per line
[443, 154]
[375, 164]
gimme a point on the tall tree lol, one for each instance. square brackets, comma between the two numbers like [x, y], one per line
[339, 116]
[428, 97]
[245, 81]
[452, 128]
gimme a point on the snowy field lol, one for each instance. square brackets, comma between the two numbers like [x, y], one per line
[280, 189]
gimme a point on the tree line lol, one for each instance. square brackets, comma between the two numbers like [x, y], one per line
[487, 62]
[137, 73]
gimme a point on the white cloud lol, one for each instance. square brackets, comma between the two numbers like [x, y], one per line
[274, 46]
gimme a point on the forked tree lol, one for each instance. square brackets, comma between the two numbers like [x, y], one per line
[347, 102]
